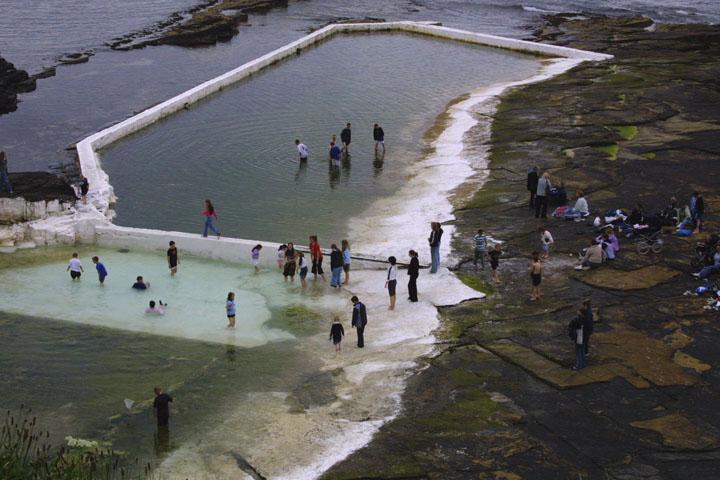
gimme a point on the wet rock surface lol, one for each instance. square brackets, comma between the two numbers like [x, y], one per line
[12, 82]
[202, 25]
[500, 400]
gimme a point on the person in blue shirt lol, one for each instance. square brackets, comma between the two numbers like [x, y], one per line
[101, 270]
[231, 309]
[335, 153]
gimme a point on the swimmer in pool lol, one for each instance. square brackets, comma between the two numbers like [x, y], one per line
[156, 309]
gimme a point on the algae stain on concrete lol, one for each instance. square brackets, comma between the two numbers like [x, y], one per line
[609, 149]
[627, 132]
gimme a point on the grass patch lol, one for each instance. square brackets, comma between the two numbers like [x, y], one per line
[475, 283]
[609, 149]
[627, 132]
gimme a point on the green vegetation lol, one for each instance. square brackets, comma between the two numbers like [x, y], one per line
[475, 283]
[610, 149]
[298, 320]
[25, 454]
[648, 155]
[627, 132]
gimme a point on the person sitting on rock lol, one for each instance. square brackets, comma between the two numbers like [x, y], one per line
[710, 269]
[594, 257]
[580, 210]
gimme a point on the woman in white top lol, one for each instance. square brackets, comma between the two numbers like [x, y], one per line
[580, 210]
[391, 282]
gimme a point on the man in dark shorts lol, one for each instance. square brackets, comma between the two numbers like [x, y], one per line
[172, 258]
[161, 404]
[359, 320]
[345, 137]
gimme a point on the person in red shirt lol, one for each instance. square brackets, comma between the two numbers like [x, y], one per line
[316, 256]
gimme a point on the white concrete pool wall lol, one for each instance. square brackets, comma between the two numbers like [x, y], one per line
[101, 191]
[92, 223]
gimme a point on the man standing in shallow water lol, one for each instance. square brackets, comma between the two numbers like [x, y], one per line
[172, 258]
[345, 138]
[379, 137]
[161, 405]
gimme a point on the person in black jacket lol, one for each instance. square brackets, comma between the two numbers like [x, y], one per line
[345, 137]
[587, 323]
[379, 137]
[336, 265]
[337, 332]
[413, 272]
[532, 184]
[435, 238]
[161, 405]
[359, 320]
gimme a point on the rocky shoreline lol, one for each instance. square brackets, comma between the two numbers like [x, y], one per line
[13, 81]
[499, 400]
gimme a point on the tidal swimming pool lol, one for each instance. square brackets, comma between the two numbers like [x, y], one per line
[237, 148]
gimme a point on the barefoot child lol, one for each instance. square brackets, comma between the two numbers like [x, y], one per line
[281, 256]
[391, 282]
[336, 333]
[303, 264]
[547, 240]
[230, 308]
[101, 270]
[535, 270]
[172, 258]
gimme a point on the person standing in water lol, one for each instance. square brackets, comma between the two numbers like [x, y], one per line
[413, 273]
[101, 270]
[347, 259]
[289, 268]
[391, 282]
[336, 265]
[210, 214]
[535, 269]
[316, 257]
[231, 309]
[334, 155]
[161, 406]
[255, 257]
[75, 267]
[337, 332]
[379, 137]
[172, 258]
[345, 138]
[359, 320]
[303, 264]
[435, 238]
[303, 150]
[4, 176]
[281, 256]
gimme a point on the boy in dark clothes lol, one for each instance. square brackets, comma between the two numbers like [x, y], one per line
[162, 407]
[359, 320]
[336, 333]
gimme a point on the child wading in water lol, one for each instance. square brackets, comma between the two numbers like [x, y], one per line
[101, 270]
[336, 334]
[281, 256]
[303, 264]
[255, 257]
[535, 269]
[75, 267]
[494, 255]
[231, 308]
[172, 258]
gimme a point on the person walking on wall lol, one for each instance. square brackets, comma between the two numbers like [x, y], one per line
[84, 189]
[316, 257]
[336, 265]
[337, 332]
[345, 138]
[480, 248]
[359, 320]
[413, 273]
[4, 176]
[347, 259]
[391, 282]
[435, 238]
[210, 215]
[172, 258]
[541, 197]
[303, 151]
[379, 137]
[532, 184]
